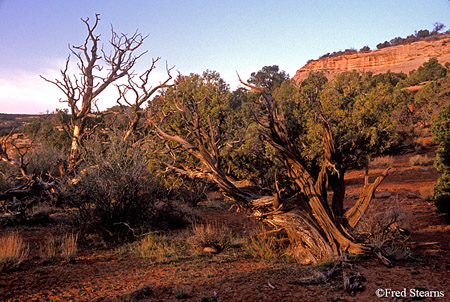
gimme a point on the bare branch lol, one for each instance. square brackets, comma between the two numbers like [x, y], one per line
[142, 93]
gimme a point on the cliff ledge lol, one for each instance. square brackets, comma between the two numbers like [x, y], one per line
[401, 58]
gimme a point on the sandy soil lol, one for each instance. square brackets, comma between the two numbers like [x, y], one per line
[106, 275]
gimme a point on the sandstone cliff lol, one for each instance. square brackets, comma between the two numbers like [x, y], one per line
[401, 58]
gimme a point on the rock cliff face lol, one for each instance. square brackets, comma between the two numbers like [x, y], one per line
[401, 58]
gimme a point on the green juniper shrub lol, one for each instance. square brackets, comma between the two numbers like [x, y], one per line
[441, 133]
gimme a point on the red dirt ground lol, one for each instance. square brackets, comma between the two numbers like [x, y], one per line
[106, 275]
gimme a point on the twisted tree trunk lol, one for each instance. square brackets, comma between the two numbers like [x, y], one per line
[316, 231]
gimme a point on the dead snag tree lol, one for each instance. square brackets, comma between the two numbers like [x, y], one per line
[81, 91]
[314, 230]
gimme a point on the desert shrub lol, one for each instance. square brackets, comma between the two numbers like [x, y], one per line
[142, 293]
[13, 251]
[48, 130]
[8, 175]
[117, 196]
[441, 195]
[386, 230]
[181, 292]
[419, 160]
[43, 159]
[441, 134]
[193, 192]
[42, 212]
[382, 162]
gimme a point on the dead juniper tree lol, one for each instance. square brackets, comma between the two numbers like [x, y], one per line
[81, 91]
[26, 183]
[314, 229]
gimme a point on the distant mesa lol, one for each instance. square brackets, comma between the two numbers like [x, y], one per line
[400, 58]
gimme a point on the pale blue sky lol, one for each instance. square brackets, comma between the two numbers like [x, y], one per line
[195, 35]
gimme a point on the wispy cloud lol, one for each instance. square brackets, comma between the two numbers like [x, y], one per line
[24, 91]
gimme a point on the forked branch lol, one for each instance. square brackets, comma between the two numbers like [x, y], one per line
[141, 93]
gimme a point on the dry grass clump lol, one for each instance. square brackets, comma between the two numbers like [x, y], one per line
[202, 238]
[13, 251]
[156, 248]
[69, 246]
[382, 162]
[419, 160]
[210, 235]
[426, 192]
[49, 250]
[55, 248]
[265, 247]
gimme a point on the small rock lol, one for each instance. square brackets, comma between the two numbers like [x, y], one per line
[385, 194]
[210, 250]
[412, 195]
